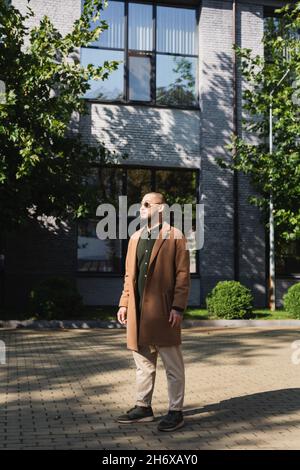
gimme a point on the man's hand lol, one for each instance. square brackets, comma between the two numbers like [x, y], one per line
[175, 318]
[122, 315]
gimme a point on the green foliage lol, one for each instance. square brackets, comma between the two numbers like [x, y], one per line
[279, 172]
[182, 90]
[291, 300]
[44, 166]
[229, 300]
[55, 299]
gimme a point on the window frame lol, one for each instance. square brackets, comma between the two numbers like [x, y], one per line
[153, 61]
[124, 242]
[285, 273]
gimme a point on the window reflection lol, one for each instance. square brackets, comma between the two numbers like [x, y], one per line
[175, 33]
[113, 36]
[288, 258]
[95, 255]
[180, 187]
[112, 88]
[138, 184]
[176, 80]
[177, 185]
[139, 78]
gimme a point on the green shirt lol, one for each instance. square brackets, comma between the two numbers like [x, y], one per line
[143, 254]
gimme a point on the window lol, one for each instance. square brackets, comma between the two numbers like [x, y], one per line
[274, 25]
[106, 90]
[181, 188]
[158, 49]
[93, 254]
[288, 258]
[140, 32]
[139, 77]
[97, 256]
[175, 80]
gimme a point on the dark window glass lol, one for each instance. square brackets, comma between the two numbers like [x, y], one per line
[111, 88]
[176, 80]
[138, 184]
[107, 256]
[111, 184]
[139, 78]
[288, 258]
[140, 27]
[95, 255]
[177, 185]
[180, 187]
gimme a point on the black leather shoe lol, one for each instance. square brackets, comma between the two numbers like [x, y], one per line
[137, 414]
[173, 420]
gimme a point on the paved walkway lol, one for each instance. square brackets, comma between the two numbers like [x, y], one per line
[63, 389]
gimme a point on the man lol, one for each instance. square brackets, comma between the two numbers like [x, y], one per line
[154, 297]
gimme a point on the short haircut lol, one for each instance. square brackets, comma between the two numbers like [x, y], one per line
[158, 195]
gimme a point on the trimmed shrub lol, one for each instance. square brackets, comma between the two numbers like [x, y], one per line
[229, 300]
[55, 299]
[291, 300]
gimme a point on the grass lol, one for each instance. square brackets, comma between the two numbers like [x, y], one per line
[258, 314]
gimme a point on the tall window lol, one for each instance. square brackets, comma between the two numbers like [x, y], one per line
[110, 46]
[288, 258]
[108, 256]
[158, 49]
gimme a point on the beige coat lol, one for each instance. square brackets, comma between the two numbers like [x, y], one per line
[167, 284]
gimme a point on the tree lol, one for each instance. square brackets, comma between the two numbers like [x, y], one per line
[44, 165]
[279, 172]
[181, 91]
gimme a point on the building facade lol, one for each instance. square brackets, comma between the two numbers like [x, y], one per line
[172, 107]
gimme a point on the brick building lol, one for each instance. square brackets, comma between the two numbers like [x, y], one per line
[171, 134]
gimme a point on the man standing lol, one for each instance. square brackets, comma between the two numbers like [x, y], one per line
[154, 297]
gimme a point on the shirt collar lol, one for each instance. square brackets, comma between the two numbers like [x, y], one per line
[157, 229]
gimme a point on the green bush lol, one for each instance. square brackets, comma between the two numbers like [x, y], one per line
[55, 299]
[291, 300]
[230, 299]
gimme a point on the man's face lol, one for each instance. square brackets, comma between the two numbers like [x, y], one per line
[150, 207]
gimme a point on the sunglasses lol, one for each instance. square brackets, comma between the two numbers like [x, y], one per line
[147, 204]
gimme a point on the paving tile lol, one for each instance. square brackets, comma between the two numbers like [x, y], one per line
[64, 390]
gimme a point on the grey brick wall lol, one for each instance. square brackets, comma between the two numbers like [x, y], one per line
[216, 64]
[62, 13]
[150, 136]
[216, 126]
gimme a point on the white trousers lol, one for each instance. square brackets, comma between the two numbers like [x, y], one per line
[146, 361]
